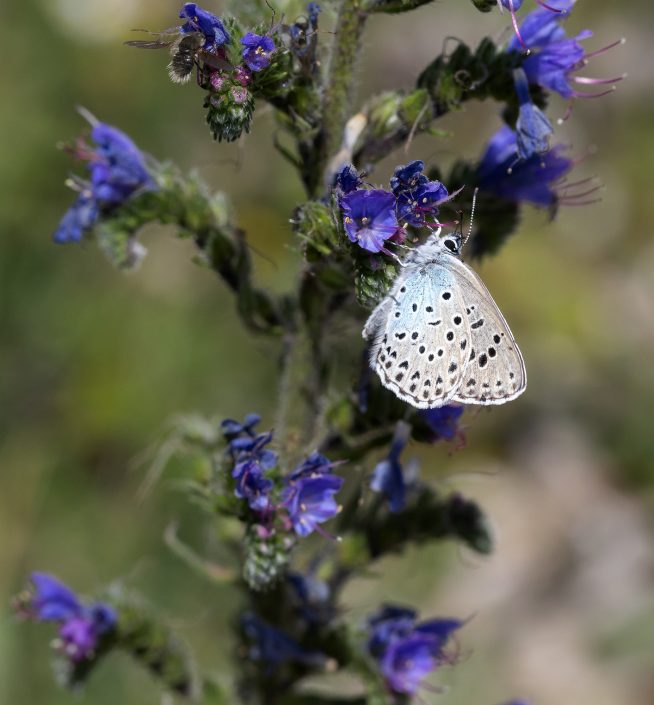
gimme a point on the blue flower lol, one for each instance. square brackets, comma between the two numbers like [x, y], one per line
[117, 167]
[407, 652]
[257, 51]
[443, 421]
[537, 180]
[252, 485]
[308, 495]
[418, 198]
[533, 128]
[199, 20]
[79, 218]
[558, 57]
[273, 647]
[232, 429]
[311, 598]
[81, 626]
[369, 217]
[514, 5]
[408, 176]
[117, 170]
[388, 477]
[348, 179]
[417, 205]
[313, 10]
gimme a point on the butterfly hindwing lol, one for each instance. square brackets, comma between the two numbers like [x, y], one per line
[421, 337]
[496, 370]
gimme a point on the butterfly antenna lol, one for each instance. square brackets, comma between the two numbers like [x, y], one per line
[472, 217]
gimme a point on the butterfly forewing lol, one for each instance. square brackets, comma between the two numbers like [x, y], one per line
[421, 337]
[496, 370]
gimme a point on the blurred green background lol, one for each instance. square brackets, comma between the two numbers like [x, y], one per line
[94, 364]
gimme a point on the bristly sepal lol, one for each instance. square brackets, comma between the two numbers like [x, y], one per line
[266, 555]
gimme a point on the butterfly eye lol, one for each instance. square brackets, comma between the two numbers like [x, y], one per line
[450, 244]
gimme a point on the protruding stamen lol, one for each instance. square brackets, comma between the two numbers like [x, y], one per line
[597, 52]
[598, 81]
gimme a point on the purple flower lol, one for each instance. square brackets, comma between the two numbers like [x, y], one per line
[257, 51]
[407, 652]
[199, 20]
[558, 57]
[388, 477]
[538, 180]
[417, 205]
[533, 128]
[348, 179]
[117, 170]
[443, 421]
[369, 217]
[514, 5]
[117, 167]
[79, 218]
[233, 429]
[81, 626]
[308, 495]
[313, 10]
[273, 647]
[408, 176]
[252, 485]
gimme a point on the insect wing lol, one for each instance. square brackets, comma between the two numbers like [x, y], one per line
[496, 370]
[420, 336]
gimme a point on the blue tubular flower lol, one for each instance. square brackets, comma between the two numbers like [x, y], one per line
[533, 128]
[273, 647]
[348, 179]
[257, 51]
[558, 57]
[443, 421]
[408, 176]
[199, 20]
[369, 218]
[388, 477]
[118, 167]
[117, 170]
[312, 598]
[81, 626]
[418, 205]
[232, 429]
[79, 218]
[538, 180]
[552, 7]
[308, 496]
[252, 485]
[407, 652]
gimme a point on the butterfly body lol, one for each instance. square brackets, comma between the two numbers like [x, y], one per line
[438, 336]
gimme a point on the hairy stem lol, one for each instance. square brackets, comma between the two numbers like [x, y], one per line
[339, 84]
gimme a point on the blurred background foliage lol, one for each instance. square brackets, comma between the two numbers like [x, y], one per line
[94, 364]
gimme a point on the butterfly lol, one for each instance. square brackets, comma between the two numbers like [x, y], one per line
[438, 336]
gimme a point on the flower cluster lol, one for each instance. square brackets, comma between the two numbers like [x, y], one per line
[304, 498]
[554, 58]
[117, 170]
[81, 626]
[371, 216]
[406, 651]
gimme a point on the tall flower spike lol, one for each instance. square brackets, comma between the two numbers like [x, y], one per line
[533, 128]
[557, 59]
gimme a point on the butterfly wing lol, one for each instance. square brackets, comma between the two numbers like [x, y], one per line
[496, 371]
[420, 336]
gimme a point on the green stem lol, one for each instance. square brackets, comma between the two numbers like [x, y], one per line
[339, 84]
